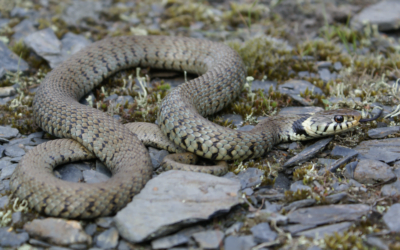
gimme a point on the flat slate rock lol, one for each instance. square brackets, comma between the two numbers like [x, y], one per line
[239, 242]
[57, 231]
[248, 178]
[11, 239]
[210, 239]
[392, 218]
[320, 232]
[307, 153]
[320, 215]
[385, 14]
[10, 61]
[378, 133]
[7, 132]
[385, 150]
[262, 233]
[175, 199]
[372, 171]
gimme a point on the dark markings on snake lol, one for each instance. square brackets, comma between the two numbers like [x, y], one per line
[214, 156]
[229, 151]
[298, 127]
[326, 127]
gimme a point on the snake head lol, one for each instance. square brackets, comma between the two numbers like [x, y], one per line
[329, 122]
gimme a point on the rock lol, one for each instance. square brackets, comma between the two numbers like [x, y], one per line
[23, 29]
[90, 229]
[102, 168]
[4, 201]
[296, 228]
[392, 218]
[169, 241]
[239, 242]
[335, 198]
[157, 156]
[263, 85]
[91, 176]
[82, 9]
[107, 239]
[22, 12]
[299, 110]
[385, 150]
[392, 189]
[345, 159]
[57, 231]
[4, 22]
[5, 163]
[7, 91]
[307, 153]
[248, 178]
[7, 132]
[246, 128]
[39, 243]
[173, 199]
[342, 151]
[127, 99]
[234, 228]
[14, 151]
[7, 171]
[383, 132]
[371, 171]
[384, 14]
[293, 88]
[325, 75]
[235, 119]
[298, 185]
[320, 232]
[16, 218]
[45, 44]
[10, 61]
[349, 169]
[8, 238]
[338, 66]
[299, 204]
[282, 182]
[376, 242]
[70, 172]
[210, 239]
[320, 215]
[263, 233]
[105, 222]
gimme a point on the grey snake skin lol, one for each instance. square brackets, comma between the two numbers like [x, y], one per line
[94, 134]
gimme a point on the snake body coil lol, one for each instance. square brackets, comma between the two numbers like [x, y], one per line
[94, 134]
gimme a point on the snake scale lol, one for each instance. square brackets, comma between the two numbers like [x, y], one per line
[94, 134]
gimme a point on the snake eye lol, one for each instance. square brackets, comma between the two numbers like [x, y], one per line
[338, 118]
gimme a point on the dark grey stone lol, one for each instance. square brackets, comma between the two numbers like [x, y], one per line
[293, 88]
[239, 242]
[307, 153]
[169, 241]
[210, 239]
[91, 228]
[248, 178]
[235, 119]
[11, 62]
[342, 151]
[23, 29]
[91, 176]
[299, 204]
[299, 110]
[384, 14]
[246, 128]
[112, 97]
[320, 232]
[58, 231]
[16, 217]
[45, 44]
[4, 201]
[337, 65]
[263, 85]
[376, 242]
[107, 239]
[7, 132]
[383, 132]
[345, 159]
[82, 9]
[4, 22]
[296, 228]
[320, 215]
[104, 222]
[263, 233]
[385, 150]
[324, 65]
[371, 171]
[22, 12]
[392, 218]
[298, 185]
[12, 239]
[174, 199]
[7, 171]
[234, 228]
[70, 172]
[392, 189]
[282, 182]
[127, 99]
[349, 169]
[335, 198]
[101, 168]
[157, 156]
[38, 243]
[325, 75]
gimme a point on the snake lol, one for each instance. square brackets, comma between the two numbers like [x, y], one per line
[88, 133]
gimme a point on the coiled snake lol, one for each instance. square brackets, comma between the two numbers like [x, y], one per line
[94, 134]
